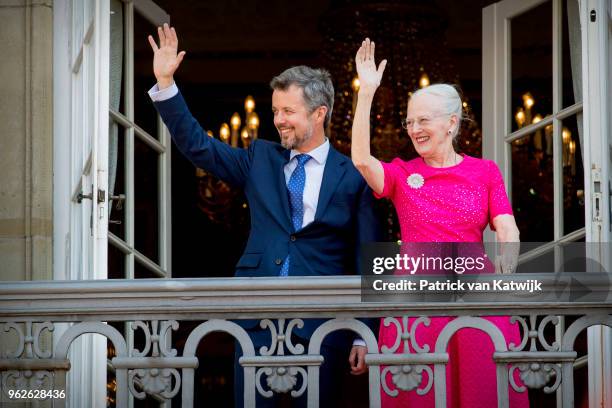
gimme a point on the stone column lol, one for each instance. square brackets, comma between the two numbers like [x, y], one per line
[26, 140]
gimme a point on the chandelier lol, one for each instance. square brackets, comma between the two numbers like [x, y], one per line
[410, 35]
[533, 173]
[540, 145]
[221, 203]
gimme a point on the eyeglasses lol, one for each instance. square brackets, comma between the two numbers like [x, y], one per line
[422, 121]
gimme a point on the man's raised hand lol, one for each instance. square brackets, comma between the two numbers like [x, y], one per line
[165, 58]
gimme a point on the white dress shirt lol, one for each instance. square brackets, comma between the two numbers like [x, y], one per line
[166, 93]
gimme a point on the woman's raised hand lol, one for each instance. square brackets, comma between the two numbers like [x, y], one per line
[165, 58]
[369, 75]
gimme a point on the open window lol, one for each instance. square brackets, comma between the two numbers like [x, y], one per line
[546, 111]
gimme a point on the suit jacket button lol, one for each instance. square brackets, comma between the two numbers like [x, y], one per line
[278, 261]
[293, 238]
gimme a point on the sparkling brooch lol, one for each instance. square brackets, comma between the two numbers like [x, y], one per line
[415, 180]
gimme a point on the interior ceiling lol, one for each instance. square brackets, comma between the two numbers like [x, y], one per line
[245, 41]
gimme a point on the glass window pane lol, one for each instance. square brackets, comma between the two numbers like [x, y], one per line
[116, 263]
[531, 56]
[142, 272]
[571, 53]
[89, 76]
[145, 114]
[146, 200]
[116, 67]
[90, 11]
[573, 175]
[77, 28]
[80, 140]
[116, 178]
[532, 187]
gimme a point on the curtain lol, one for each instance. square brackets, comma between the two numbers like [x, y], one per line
[116, 72]
[575, 46]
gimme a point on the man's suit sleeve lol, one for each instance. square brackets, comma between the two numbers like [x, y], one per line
[227, 163]
[368, 230]
[368, 226]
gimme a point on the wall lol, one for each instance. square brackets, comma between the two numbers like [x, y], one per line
[26, 140]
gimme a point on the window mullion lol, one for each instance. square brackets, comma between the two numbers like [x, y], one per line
[557, 126]
[163, 189]
[129, 140]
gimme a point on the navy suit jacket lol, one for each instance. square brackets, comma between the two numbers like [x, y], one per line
[344, 218]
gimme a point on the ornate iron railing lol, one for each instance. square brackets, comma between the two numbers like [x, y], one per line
[30, 309]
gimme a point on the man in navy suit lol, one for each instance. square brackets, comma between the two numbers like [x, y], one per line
[310, 208]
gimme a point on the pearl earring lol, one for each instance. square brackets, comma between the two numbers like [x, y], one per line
[449, 131]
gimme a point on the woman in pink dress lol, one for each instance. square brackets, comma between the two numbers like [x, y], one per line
[441, 196]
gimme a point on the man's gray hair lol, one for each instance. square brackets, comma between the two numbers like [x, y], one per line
[316, 85]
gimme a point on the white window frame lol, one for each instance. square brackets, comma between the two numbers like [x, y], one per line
[497, 117]
[497, 123]
[161, 144]
[81, 138]
[79, 171]
[80, 69]
[596, 68]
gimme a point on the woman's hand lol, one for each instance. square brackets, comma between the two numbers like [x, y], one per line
[508, 240]
[369, 79]
[165, 58]
[369, 76]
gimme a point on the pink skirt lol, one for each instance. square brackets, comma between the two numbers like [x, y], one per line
[470, 373]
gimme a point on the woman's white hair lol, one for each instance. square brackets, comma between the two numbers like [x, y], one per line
[450, 101]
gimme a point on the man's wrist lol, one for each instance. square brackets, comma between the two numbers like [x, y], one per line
[358, 341]
[163, 83]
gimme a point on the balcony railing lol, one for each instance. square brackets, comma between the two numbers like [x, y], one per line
[28, 310]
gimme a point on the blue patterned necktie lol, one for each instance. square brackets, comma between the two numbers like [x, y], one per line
[296, 184]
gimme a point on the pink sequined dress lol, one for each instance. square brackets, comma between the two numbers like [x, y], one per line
[451, 204]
